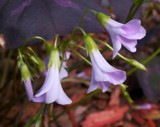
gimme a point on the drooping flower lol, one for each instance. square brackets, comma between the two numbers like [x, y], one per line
[28, 87]
[63, 72]
[52, 91]
[103, 74]
[26, 77]
[143, 106]
[122, 34]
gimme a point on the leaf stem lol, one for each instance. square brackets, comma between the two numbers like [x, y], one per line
[81, 57]
[134, 8]
[84, 14]
[145, 61]
[33, 38]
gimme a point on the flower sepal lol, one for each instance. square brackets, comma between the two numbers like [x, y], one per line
[54, 57]
[89, 43]
[24, 70]
[101, 17]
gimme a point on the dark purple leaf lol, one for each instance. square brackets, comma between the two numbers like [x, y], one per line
[150, 80]
[121, 8]
[21, 19]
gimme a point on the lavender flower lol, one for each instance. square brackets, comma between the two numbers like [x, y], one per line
[143, 106]
[103, 74]
[26, 78]
[122, 34]
[28, 87]
[52, 91]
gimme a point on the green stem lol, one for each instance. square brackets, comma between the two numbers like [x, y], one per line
[51, 110]
[134, 8]
[82, 57]
[33, 38]
[76, 80]
[20, 54]
[148, 59]
[56, 40]
[81, 21]
[82, 61]
[81, 47]
[124, 58]
[75, 29]
[37, 117]
[83, 15]
[62, 60]
[130, 12]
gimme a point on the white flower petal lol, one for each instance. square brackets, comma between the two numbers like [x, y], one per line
[63, 99]
[93, 85]
[53, 71]
[28, 87]
[63, 73]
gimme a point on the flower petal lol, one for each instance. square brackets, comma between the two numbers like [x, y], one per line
[132, 27]
[53, 93]
[49, 81]
[28, 87]
[129, 44]
[116, 45]
[63, 73]
[104, 85]
[93, 85]
[113, 23]
[39, 99]
[99, 61]
[117, 77]
[134, 30]
[63, 98]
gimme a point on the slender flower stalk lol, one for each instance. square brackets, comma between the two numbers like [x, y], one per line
[52, 91]
[103, 74]
[122, 34]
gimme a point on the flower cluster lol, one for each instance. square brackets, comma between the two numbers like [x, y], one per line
[51, 90]
[103, 74]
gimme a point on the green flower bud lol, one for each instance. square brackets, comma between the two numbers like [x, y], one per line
[101, 17]
[24, 70]
[125, 93]
[136, 64]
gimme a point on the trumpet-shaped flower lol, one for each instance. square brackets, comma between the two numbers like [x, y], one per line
[26, 78]
[122, 34]
[103, 74]
[28, 88]
[52, 91]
